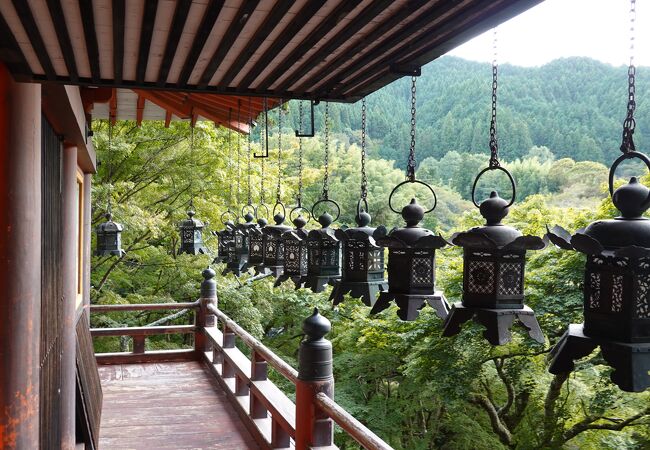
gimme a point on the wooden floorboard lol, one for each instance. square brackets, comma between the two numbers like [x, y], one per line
[176, 405]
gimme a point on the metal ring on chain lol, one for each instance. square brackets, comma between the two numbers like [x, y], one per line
[629, 155]
[243, 209]
[299, 208]
[327, 200]
[390, 197]
[257, 209]
[365, 203]
[504, 170]
[229, 212]
[284, 210]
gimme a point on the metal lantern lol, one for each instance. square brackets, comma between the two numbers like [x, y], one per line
[238, 249]
[273, 245]
[323, 254]
[411, 265]
[256, 247]
[191, 235]
[109, 238]
[363, 263]
[295, 253]
[616, 288]
[494, 258]
[226, 237]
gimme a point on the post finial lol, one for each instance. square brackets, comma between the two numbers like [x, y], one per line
[315, 355]
[209, 284]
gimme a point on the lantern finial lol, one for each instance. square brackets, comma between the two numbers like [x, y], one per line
[494, 209]
[413, 213]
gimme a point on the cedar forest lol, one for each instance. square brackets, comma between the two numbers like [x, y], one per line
[559, 127]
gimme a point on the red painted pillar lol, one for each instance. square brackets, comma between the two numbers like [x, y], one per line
[313, 427]
[69, 275]
[20, 262]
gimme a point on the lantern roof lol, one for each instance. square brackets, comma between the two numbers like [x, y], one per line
[191, 222]
[109, 226]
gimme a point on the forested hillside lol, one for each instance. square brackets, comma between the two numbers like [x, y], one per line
[573, 106]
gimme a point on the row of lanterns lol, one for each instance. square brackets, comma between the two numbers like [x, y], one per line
[617, 272]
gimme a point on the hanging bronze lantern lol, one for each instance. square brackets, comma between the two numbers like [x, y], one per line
[256, 247]
[238, 249]
[323, 253]
[411, 264]
[273, 245]
[363, 260]
[191, 235]
[225, 238]
[294, 243]
[494, 258]
[109, 238]
[411, 250]
[616, 287]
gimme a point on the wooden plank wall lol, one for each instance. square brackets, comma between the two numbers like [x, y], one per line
[89, 388]
[51, 289]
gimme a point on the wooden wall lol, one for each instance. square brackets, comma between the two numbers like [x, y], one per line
[51, 290]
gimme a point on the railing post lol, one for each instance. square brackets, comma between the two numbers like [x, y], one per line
[313, 427]
[203, 317]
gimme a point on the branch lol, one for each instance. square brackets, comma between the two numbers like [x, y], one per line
[550, 410]
[588, 424]
[497, 425]
[510, 389]
[118, 260]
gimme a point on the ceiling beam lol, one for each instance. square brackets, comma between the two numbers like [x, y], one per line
[426, 23]
[374, 36]
[365, 16]
[326, 25]
[118, 39]
[174, 36]
[29, 24]
[58, 20]
[209, 19]
[146, 31]
[301, 18]
[11, 54]
[234, 29]
[90, 35]
[276, 14]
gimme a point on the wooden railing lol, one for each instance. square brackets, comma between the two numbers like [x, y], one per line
[140, 334]
[268, 413]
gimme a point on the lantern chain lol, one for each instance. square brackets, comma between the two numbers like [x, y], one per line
[279, 187]
[229, 164]
[109, 206]
[629, 124]
[191, 206]
[410, 167]
[300, 118]
[262, 143]
[250, 131]
[364, 177]
[238, 153]
[494, 145]
[326, 186]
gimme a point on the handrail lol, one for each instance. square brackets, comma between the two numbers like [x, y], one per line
[143, 331]
[355, 429]
[274, 360]
[144, 307]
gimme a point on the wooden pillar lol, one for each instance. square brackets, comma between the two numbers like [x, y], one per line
[69, 275]
[313, 427]
[203, 317]
[20, 262]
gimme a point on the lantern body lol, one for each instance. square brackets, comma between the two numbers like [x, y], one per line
[617, 298]
[616, 291]
[363, 263]
[323, 256]
[494, 257]
[295, 256]
[274, 247]
[256, 248]
[109, 238]
[238, 249]
[226, 238]
[191, 235]
[411, 266]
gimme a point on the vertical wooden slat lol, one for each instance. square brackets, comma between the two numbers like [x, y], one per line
[89, 387]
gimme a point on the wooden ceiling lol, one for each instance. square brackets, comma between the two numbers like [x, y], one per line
[337, 50]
